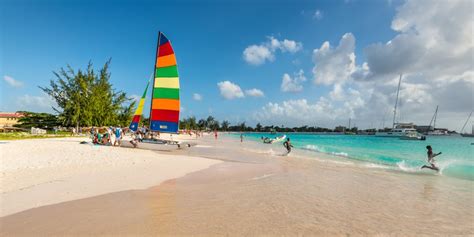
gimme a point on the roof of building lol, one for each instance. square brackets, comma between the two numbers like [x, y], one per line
[11, 115]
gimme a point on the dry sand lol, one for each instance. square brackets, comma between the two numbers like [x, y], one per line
[40, 172]
[255, 191]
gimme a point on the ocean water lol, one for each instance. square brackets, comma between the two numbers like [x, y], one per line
[456, 160]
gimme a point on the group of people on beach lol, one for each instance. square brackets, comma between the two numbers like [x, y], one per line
[112, 136]
[141, 134]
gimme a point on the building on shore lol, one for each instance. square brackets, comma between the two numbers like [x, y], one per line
[8, 119]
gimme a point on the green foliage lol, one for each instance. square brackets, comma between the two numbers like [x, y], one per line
[225, 125]
[37, 120]
[210, 123]
[25, 135]
[87, 98]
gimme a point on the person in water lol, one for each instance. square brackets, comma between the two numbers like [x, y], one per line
[287, 145]
[431, 160]
[241, 137]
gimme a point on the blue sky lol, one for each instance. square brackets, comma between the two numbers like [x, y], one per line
[209, 38]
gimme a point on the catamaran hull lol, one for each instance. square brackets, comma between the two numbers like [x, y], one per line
[158, 145]
[389, 134]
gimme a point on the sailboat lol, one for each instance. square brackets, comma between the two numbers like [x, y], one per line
[405, 131]
[139, 111]
[165, 103]
[434, 131]
[472, 127]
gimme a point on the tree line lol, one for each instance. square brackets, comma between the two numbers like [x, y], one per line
[210, 123]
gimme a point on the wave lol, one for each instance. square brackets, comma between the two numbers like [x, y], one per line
[262, 176]
[402, 165]
[322, 150]
[377, 166]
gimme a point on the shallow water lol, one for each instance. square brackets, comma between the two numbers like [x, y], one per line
[257, 191]
[457, 159]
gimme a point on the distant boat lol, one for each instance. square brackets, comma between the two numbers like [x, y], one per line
[472, 128]
[398, 129]
[436, 132]
[413, 135]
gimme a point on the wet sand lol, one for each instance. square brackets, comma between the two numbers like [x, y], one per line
[261, 194]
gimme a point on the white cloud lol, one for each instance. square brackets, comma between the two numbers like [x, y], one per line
[12, 82]
[290, 46]
[323, 112]
[42, 103]
[435, 38]
[318, 14]
[433, 50]
[197, 97]
[254, 92]
[259, 54]
[334, 65]
[289, 84]
[230, 90]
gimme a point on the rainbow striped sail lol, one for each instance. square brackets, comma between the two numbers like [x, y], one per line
[164, 111]
[138, 113]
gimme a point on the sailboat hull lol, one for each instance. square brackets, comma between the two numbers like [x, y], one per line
[163, 126]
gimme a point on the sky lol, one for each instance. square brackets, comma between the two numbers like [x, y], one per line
[290, 63]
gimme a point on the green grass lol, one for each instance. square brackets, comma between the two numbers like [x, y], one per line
[24, 135]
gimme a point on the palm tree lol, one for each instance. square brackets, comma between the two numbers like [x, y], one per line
[225, 125]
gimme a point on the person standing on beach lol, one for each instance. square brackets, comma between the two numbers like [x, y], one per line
[241, 137]
[118, 136]
[215, 134]
[287, 145]
[431, 160]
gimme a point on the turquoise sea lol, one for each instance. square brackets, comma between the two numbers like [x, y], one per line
[456, 160]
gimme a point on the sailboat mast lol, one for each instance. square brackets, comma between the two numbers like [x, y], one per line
[434, 118]
[466, 122]
[154, 74]
[396, 102]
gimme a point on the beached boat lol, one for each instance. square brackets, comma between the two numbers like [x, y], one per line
[165, 103]
[139, 111]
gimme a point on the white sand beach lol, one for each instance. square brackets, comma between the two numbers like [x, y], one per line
[41, 172]
[61, 187]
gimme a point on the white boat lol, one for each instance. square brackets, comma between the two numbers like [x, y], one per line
[438, 133]
[413, 135]
[401, 129]
[398, 129]
[434, 131]
[267, 140]
[278, 139]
